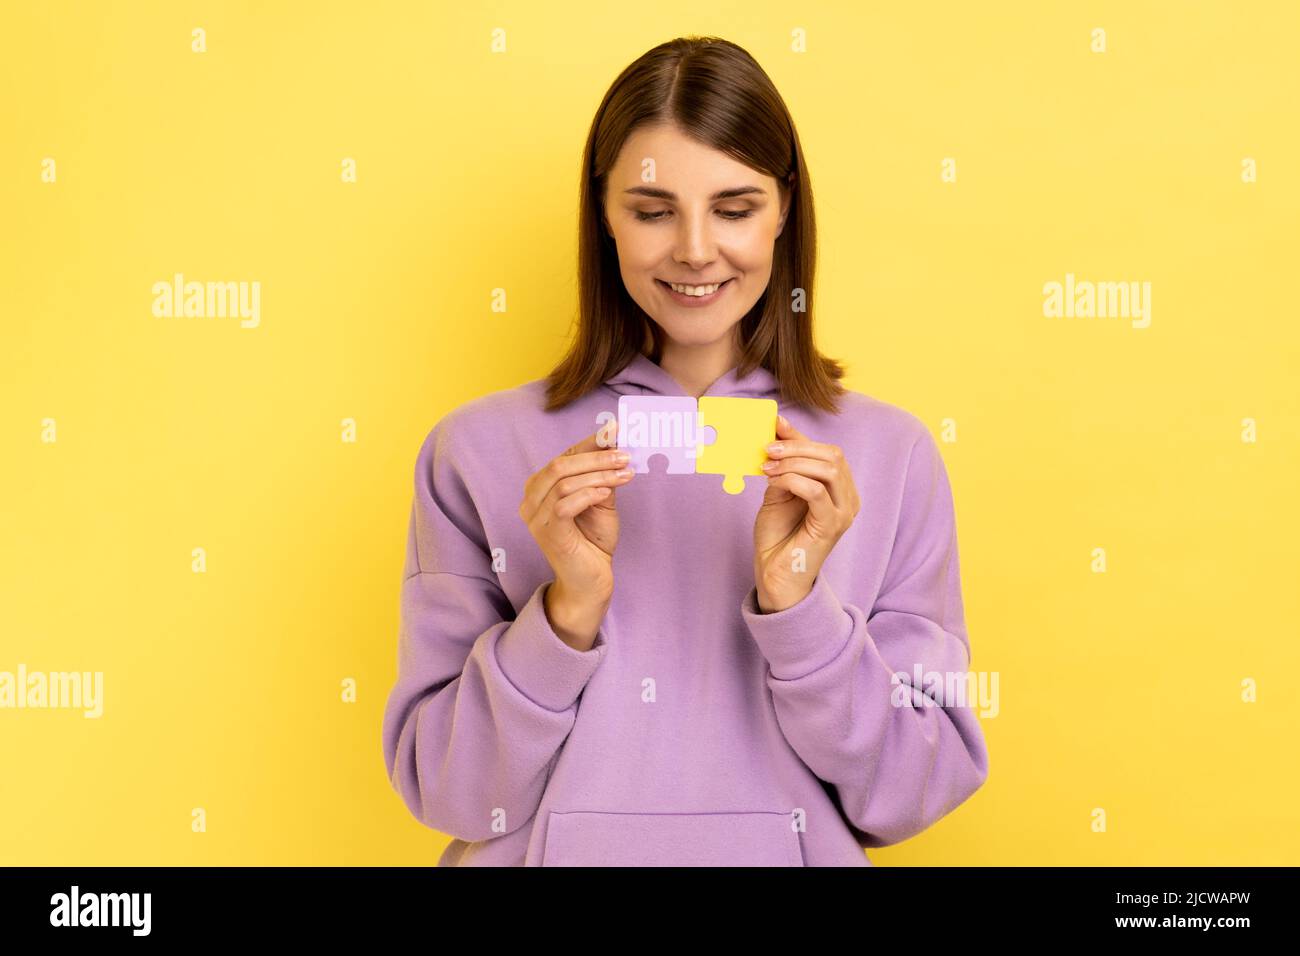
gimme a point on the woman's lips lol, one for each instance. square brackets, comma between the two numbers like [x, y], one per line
[695, 301]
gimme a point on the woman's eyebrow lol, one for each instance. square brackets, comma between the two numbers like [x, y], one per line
[656, 193]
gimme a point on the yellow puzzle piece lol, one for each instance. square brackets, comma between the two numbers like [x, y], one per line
[743, 428]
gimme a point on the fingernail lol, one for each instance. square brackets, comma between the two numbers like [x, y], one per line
[775, 447]
[769, 465]
[622, 456]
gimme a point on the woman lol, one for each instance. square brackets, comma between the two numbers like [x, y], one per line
[645, 670]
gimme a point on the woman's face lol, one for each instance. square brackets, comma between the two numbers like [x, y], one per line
[693, 216]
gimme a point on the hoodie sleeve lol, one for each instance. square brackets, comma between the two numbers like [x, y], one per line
[484, 697]
[898, 757]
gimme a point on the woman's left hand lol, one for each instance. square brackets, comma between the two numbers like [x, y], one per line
[811, 500]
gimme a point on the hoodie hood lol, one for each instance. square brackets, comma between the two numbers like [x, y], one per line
[643, 377]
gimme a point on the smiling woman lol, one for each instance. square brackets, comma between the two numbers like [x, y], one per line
[695, 245]
[693, 176]
[732, 701]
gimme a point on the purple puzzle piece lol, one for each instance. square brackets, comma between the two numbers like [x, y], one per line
[667, 425]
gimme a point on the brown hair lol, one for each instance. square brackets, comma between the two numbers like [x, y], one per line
[718, 94]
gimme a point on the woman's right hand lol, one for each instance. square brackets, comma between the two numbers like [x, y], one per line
[569, 508]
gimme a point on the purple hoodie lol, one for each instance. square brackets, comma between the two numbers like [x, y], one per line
[697, 730]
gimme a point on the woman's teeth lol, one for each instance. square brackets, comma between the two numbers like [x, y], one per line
[696, 290]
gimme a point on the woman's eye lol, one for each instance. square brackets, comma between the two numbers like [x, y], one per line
[730, 214]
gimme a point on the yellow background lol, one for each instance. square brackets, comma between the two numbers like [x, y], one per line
[1118, 690]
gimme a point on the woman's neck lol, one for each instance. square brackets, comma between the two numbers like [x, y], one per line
[696, 367]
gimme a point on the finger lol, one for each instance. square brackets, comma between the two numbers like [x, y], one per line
[818, 469]
[570, 506]
[820, 507]
[786, 430]
[577, 459]
[566, 486]
[805, 447]
[541, 483]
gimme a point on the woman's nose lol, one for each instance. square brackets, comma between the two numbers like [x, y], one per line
[695, 241]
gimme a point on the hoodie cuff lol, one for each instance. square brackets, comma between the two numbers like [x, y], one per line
[802, 638]
[542, 667]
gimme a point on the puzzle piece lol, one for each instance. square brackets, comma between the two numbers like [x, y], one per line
[718, 435]
[667, 425]
[744, 428]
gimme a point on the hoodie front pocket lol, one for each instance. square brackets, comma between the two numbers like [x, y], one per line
[597, 838]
